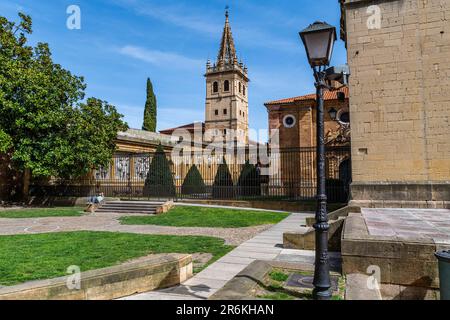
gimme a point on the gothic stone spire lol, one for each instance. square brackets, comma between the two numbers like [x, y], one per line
[227, 53]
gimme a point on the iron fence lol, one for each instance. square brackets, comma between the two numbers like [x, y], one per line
[287, 174]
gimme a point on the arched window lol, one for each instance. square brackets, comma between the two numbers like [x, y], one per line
[215, 87]
[343, 116]
[226, 86]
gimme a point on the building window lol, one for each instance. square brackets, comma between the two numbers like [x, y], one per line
[343, 116]
[225, 111]
[240, 112]
[289, 121]
[215, 87]
[225, 131]
[240, 87]
[216, 112]
[243, 113]
[244, 89]
[226, 86]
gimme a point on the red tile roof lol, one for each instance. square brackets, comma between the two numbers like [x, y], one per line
[190, 127]
[328, 95]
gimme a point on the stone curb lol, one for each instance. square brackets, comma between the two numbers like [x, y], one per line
[156, 272]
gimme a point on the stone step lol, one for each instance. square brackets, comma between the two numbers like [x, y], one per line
[137, 207]
[129, 207]
[149, 212]
[122, 203]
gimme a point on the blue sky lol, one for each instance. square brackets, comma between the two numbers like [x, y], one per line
[122, 42]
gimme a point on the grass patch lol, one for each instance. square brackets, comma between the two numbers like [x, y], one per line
[274, 286]
[42, 212]
[44, 256]
[277, 296]
[185, 216]
[278, 276]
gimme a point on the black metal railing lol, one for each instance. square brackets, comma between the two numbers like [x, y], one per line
[286, 174]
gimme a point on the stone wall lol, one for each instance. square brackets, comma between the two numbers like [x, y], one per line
[404, 262]
[400, 99]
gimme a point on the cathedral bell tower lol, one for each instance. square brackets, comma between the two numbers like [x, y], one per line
[227, 91]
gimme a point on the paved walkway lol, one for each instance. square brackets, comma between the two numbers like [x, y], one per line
[264, 246]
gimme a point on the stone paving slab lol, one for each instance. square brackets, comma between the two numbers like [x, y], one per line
[159, 296]
[409, 223]
[199, 281]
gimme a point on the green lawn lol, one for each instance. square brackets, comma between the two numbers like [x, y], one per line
[43, 256]
[42, 212]
[183, 216]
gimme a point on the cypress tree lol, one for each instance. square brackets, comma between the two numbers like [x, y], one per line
[223, 183]
[249, 182]
[193, 183]
[159, 182]
[150, 109]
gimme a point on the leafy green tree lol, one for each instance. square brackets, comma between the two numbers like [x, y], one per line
[223, 187]
[150, 109]
[249, 183]
[43, 125]
[193, 183]
[159, 181]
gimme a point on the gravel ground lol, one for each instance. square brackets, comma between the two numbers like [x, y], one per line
[110, 222]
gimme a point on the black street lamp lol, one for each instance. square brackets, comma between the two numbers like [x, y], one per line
[333, 114]
[319, 39]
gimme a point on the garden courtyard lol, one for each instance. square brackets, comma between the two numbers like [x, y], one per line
[41, 243]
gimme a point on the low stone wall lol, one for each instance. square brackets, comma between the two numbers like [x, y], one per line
[289, 206]
[306, 239]
[156, 272]
[242, 285]
[334, 215]
[410, 263]
[431, 195]
[165, 207]
[63, 201]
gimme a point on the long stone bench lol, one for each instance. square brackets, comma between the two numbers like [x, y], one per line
[155, 272]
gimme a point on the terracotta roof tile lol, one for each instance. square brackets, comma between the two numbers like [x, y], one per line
[328, 95]
[189, 127]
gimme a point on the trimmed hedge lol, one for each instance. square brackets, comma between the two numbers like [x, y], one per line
[159, 182]
[249, 182]
[223, 187]
[193, 183]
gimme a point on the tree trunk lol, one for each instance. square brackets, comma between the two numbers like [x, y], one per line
[26, 183]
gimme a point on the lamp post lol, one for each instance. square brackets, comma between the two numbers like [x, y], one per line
[319, 39]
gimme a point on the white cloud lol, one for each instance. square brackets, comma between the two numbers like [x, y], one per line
[161, 58]
[176, 14]
[188, 18]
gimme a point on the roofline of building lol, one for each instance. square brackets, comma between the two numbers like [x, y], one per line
[307, 98]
